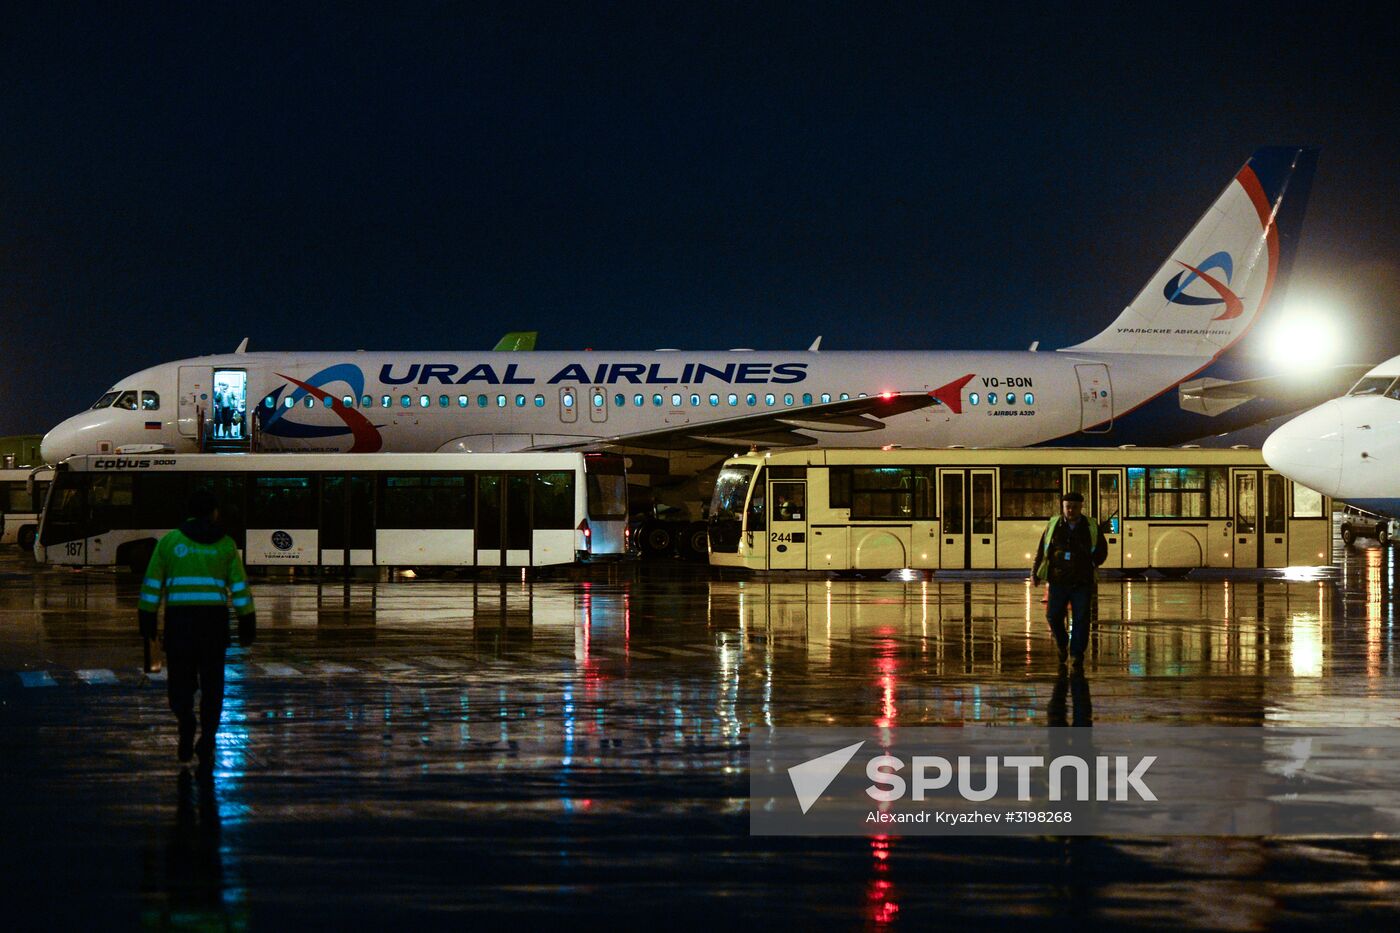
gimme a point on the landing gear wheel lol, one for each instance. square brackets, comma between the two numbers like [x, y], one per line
[697, 541]
[1348, 535]
[656, 539]
[1383, 534]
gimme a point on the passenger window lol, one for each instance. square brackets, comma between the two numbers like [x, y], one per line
[520, 401]
[619, 400]
[1011, 398]
[751, 400]
[104, 402]
[444, 401]
[481, 401]
[694, 401]
[539, 401]
[787, 399]
[973, 398]
[150, 401]
[126, 400]
[406, 401]
[991, 398]
[327, 402]
[386, 401]
[366, 401]
[675, 401]
[348, 401]
[714, 400]
[500, 401]
[598, 399]
[845, 396]
[657, 400]
[1030, 398]
[269, 403]
[806, 398]
[290, 402]
[462, 401]
[639, 400]
[309, 401]
[826, 397]
[769, 399]
[424, 401]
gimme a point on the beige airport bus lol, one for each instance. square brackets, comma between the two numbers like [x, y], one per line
[1168, 509]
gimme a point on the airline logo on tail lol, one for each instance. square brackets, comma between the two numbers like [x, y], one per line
[366, 435]
[1175, 290]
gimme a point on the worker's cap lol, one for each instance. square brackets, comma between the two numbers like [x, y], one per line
[1073, 497]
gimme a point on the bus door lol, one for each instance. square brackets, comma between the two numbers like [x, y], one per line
[1102, 492]
[195, 397]
[787, 525]
[1246, 517]
[968, 534]
[347, 520]
[1274, 534]
[1261, 518]
[503, 535]
[1095, 398]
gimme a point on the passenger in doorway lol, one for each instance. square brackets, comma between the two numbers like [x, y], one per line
[1070, 551]
[197, 572]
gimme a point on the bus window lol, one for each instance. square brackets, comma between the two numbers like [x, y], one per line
[607, 490]
[882, 492]
[1219, 482]
[952, 503]
[1137, 492]
[731, 488]
[65, 516]
[1246, 503]
[1030, 492]
[1108, 502]
[425, 501]
[554, 500]
[1177, 492]
[282, 502]
[161, 499]
[789, 502]
[150, 401]
[1275, 503]
[110, 503]
[983, 513]
[839, 488]
[126, 400]
[1307, 503]
[925, 500]
[333, 535]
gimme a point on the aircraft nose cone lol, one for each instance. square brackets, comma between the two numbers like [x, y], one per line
[50, 446]
[1309, 448]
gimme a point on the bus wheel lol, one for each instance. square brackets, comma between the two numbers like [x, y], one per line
[656, 539]
[26, 538]
[1348, 534]
[697, 540]
[138, 557]
[1383, 534]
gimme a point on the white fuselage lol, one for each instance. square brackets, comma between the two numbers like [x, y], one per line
[535, 400]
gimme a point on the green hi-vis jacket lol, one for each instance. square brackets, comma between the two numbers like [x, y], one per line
[191, 573]
[1042, 564]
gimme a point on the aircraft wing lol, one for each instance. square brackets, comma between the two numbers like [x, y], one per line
[1214, 396]
[769, 428]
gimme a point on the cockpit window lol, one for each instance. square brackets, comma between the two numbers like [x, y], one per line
[1393, 391]
[150, 401]
[126, 400]
[103, 402]
[1372, 385]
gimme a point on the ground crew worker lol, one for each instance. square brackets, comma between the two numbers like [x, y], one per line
[197, 570]
[1071, 549]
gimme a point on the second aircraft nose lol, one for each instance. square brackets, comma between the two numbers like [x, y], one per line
[1309, 448]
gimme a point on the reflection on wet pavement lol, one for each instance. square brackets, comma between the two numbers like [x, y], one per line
[557, 750]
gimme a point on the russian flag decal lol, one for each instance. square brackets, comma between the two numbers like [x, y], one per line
[152, 425]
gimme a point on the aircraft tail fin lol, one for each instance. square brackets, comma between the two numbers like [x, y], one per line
[1235, 261]
[517, 340]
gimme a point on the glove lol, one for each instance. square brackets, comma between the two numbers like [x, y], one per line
[148, 624]
[248, 629]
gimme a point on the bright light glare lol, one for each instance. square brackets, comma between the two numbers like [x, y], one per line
[1306, 339]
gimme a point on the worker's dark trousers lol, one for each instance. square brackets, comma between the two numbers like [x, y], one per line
[1076, 598]
[195, 640]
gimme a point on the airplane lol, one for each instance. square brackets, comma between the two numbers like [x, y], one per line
[1161, 373]
[1347, 448]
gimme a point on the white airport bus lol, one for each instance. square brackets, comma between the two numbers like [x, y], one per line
[22, 494]
[1169, 509]
[398, 510]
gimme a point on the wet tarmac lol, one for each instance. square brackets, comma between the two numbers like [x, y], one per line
[440, 753]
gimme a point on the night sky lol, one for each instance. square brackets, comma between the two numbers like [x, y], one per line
[704, 176]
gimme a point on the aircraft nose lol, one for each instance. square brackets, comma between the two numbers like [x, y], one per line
[60, 442]
[1309, 448]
